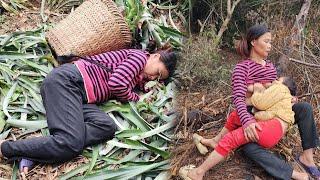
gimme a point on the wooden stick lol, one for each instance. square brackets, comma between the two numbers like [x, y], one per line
[305, 63]
[309, 94]
[218, 100]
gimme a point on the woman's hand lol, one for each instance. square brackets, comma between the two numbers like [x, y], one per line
[250, 132]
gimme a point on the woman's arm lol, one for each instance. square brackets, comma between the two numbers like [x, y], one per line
[239, 89]
[121, 83]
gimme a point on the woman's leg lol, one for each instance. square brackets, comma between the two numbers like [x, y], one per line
[63, 101]
[213, 159]
[308, 132]
[99, 126]
[275, 166]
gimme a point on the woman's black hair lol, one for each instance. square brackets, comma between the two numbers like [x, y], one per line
[254, 32]
[169, 59]
[289, 82]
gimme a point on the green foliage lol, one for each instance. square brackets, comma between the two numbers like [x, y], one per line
[13, 6]
[246, 14]
[151, 31]
[2, 19]
[62, 5]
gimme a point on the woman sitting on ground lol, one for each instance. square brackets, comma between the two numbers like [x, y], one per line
[274, 118]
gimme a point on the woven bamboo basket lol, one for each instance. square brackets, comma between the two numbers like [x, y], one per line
[96, 26]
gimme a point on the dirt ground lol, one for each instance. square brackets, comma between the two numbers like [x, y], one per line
[25, 20]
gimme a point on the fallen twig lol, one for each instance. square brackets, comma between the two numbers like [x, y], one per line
[209, 125]
[218, 100]
[305, 63]
[309, 94]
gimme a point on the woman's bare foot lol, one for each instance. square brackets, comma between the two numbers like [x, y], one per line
[196, 174]
[209, 142]
[307, 157]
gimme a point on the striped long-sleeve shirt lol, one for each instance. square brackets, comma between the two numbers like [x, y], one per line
[126, 66]
[245, 73]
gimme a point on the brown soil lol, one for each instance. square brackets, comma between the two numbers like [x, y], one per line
[26, 20]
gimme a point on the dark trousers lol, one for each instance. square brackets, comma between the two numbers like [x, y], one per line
[72, 123]
[275, 166]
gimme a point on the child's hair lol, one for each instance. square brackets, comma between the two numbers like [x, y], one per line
[289, 82]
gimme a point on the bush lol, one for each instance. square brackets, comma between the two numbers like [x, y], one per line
[202, 66]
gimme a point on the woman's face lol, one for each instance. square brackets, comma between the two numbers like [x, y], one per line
[155, 68]
[262, 45]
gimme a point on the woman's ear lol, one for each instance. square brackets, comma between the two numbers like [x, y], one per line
[157, 55]
[253, 42]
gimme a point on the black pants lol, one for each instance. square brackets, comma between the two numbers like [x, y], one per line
[72, 123]
[309, 137]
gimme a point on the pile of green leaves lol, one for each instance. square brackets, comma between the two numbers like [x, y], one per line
[13, 6]
[23, 65]
[150, 30]
[140, 147]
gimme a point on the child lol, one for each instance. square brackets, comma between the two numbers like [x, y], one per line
[274, 103]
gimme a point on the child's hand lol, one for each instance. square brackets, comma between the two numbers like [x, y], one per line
[294, 100]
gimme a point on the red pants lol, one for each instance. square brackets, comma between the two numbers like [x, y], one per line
[269, 136]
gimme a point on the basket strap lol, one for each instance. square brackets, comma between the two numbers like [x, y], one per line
[93, 61]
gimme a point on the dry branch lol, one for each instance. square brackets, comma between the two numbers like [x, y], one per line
[308, 94]
[230, 8]
[295, 37]
[305, 63]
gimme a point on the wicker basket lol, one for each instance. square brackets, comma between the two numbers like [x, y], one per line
[96, 26]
